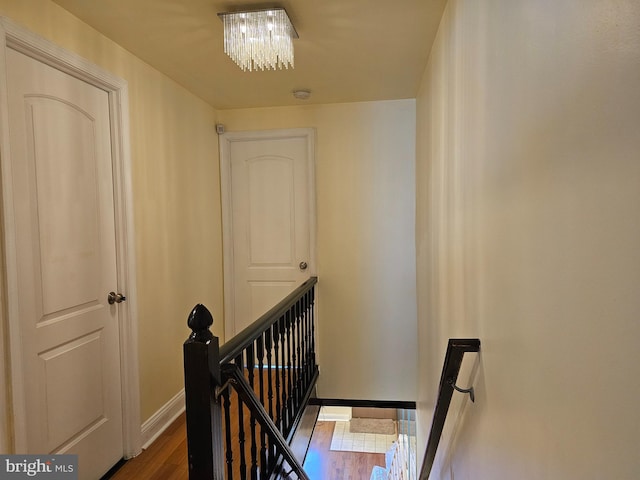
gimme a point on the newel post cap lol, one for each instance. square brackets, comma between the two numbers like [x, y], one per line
[199, 321]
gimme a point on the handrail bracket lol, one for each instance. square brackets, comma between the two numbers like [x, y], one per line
[470, 391]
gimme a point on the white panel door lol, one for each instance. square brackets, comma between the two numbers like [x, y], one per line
[271, 203]
[64, 218]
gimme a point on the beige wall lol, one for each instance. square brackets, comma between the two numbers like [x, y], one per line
[176, 196]
[365, 222]
[528, 208]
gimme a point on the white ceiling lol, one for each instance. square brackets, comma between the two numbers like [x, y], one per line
[348, 50]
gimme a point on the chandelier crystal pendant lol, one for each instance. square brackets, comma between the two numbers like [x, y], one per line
[259, 39]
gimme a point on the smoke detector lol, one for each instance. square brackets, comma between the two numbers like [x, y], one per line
[302, 94]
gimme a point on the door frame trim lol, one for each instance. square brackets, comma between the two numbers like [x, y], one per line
[12, 402]
[225, 141]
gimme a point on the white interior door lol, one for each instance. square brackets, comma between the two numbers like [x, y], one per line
[63, 188]
[271, 193]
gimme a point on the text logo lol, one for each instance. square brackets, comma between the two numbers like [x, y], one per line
[49, 467]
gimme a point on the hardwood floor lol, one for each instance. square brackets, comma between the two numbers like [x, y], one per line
[166, 458]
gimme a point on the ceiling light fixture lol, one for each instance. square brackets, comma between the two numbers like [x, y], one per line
[259, 39]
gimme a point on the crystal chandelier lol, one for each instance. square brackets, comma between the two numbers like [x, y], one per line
[259, 39]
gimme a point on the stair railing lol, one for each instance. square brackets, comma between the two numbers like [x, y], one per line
[452, 362]
[245, 399]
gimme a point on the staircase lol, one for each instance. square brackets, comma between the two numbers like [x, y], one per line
[250, 406]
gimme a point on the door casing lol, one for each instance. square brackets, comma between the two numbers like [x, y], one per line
[12, 404]
[226, 140]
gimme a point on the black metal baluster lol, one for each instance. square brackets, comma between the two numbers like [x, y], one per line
[250, 356]
[305, 344]
[289, 371]
[296, 365]
[307, 340]
[313, 332]
[283, 368]
[293, 373]
[263, 439]
[299, 372]
[241, 434]
[308, 322]
[226, 397]
[269, 347]
[276, 337]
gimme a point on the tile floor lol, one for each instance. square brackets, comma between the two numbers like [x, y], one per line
[345, 441]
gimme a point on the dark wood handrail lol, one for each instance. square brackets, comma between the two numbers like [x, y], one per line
[456, 349]
[235, 346]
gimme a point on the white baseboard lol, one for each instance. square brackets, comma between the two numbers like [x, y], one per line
[159, 421]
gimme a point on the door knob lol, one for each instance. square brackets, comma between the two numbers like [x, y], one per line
[303, 265]
[114, 297]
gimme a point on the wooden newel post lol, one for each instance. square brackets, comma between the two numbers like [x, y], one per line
[204, 417]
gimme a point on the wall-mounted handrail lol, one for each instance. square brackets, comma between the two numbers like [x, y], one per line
[456, 349]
